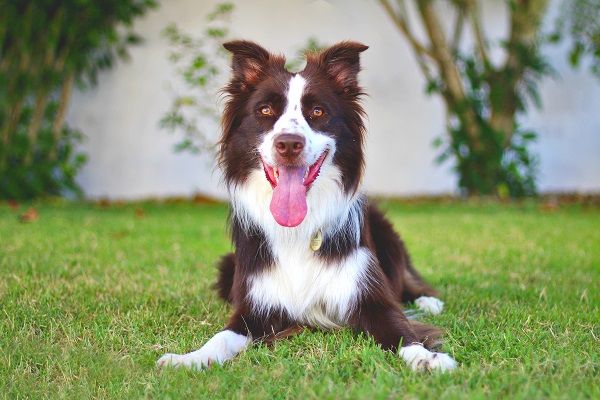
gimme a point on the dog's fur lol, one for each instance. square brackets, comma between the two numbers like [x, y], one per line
[292, 156]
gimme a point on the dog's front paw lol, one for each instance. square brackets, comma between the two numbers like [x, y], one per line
[419, 358]
[430, 305]
[222, 347]
[169, 360]
[190, 361]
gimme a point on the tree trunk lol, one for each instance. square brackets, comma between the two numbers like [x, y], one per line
[483, 96]
[9, 127]
[34, 125]
[454, 95]
[63, 105]
[525, 19]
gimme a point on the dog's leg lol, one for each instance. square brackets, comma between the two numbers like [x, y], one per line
[419, 358]
[222, 347]
[406, 283]
[390, 328]
[224, 284]
[243, 327]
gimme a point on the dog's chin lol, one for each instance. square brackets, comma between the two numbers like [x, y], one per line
[290, 185]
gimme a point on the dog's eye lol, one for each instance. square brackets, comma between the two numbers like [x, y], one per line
[266, 110]
[317, 112]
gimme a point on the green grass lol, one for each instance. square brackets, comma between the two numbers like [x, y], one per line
[91, 297]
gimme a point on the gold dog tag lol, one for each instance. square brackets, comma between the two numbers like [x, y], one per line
[316, 240]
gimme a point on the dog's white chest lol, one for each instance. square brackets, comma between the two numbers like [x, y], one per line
[311, 291]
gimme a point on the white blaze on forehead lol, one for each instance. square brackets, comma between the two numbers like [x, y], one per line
[292, 121]
[294, 97]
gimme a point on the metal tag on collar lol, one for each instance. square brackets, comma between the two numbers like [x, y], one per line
[316, 240]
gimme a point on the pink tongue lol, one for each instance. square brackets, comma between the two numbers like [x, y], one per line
[288, 204]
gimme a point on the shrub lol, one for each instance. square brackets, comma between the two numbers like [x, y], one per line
[46, 47]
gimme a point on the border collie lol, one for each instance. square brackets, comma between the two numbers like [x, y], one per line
[310, 251]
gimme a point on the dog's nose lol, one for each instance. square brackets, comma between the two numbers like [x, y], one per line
[289, 145]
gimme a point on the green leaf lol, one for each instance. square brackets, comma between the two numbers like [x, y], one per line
[575, 54]
[529, 136]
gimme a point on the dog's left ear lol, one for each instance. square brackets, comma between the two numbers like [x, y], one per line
[249, 61]
[342, 62]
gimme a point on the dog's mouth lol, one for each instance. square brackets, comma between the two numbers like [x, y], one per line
[290, 185]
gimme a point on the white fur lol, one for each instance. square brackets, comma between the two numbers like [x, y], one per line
[299, 282]
[308, 290]
[292, 121]
[419, 358]
[328, 206]
[222, 347]
[430, 305]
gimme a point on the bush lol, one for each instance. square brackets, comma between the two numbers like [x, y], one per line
[46, 47]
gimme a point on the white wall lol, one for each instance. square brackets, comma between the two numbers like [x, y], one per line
[131, 157]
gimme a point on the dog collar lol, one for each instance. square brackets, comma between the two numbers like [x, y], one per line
[316, 240]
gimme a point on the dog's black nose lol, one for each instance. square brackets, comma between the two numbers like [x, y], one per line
[289, 145]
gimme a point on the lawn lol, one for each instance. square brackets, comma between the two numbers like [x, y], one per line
[92, 295]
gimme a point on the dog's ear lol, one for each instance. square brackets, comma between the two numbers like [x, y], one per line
[249, 61]
[341, 62]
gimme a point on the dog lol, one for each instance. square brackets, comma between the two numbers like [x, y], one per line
[310, 250]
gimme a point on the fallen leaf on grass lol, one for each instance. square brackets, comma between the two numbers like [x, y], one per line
[199, 199]
[551, 205]
[31, 215]
[120, 234]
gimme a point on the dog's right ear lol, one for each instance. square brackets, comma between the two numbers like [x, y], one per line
[342, 62]
[249, 62]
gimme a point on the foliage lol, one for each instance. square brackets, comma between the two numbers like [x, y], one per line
[43, 175]
[45, 48]
[203, 64]
[508, 170]
[93, 294]
[484, 98]
[580, 21]
[297, 63]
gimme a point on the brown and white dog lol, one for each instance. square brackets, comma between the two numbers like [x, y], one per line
[310, 251]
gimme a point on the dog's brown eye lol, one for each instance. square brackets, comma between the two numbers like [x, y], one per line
[317, 112]
[266, 110]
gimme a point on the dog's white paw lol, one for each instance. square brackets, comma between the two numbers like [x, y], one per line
[430, 305]
[222, 347]
[190, 361]
[195, 360]
[419, 358]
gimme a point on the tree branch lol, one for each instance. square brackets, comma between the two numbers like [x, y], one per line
[421, 52]
[525, 19]
[458, 27]
[473, 11]
[59, 119]
[402, 25]
[454, 93]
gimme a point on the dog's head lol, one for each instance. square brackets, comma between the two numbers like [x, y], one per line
[294, 127]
